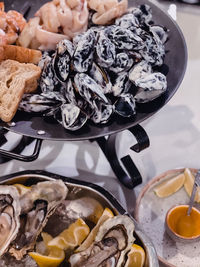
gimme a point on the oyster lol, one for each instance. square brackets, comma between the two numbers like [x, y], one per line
[150, 87]
[62, 58]
[113, 241]
[9, 216]
[36, 206]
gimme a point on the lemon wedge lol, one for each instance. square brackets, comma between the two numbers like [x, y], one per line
[72, 236]
[170, 186]
[53, 259]
[136, 257]
[22, 189]
[107, 213]
[188, 184]
[53, 255]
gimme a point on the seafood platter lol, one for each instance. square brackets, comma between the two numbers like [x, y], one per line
[50, 220]
[102, 66]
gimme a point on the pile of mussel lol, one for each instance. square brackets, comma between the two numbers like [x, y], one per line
[105, 70]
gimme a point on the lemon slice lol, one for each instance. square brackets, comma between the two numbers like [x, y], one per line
[72, 236]
[54, 259]
[188, 184]
[22, 189]
[136, 257]
[88, 241]
[170, 186]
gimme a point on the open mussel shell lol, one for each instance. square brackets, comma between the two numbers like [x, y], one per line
[9, 216]
[150, 87]
[88, 88]
[43, 103]
[102, 112]
[101, 77]
[71, 117]
[125, 105]
[62, 59]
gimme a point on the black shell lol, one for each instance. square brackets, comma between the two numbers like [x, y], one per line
[72, 117]
[101, 77]
[88, 88]
[123, 85]
[154, 50]
[123, 62]
[150, 87]
[102, 112]
[62, 59]
[124, 39]
[125, 105]
[34, 103]
[83, 56]
[128, 21]
[105, 51]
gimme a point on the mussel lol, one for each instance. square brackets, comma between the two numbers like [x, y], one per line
[83, 55]
[72, 117]
[62, 59]
[125, 105]
[105, 50]
[150, 87]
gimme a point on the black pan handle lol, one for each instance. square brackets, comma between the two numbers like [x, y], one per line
[108, 146]
[15, 153]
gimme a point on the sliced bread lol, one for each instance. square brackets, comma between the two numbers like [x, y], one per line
[15, 80]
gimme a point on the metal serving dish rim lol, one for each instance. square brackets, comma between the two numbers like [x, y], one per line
[152, 259]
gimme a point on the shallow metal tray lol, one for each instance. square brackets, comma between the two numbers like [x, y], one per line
[79, 189]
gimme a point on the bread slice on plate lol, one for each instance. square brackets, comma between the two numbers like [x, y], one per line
[20, 54]
[15, 80]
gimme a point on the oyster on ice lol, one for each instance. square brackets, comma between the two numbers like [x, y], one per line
[113, 241]
[9, 216]
[36, 206]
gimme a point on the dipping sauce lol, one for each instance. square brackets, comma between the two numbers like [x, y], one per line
[183, 225]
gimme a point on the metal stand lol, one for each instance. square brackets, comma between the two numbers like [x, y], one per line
[131, 177]
[15, 153]
[124, 169]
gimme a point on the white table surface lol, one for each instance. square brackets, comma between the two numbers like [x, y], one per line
[174, 131]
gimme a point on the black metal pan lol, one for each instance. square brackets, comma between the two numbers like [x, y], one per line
[174, 67]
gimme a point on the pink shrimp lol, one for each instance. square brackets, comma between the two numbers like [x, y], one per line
[48, 15]
[107, 13]
[11, 24]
